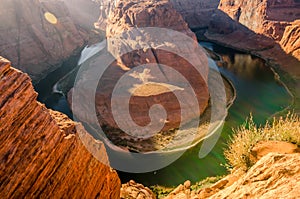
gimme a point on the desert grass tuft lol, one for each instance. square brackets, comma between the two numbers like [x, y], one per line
[246, 136]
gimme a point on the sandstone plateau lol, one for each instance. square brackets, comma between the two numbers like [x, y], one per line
[38, 35]
[41, 152]
[124, 30]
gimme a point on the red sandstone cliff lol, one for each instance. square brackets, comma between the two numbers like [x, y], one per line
[41, 154]
[34, 44]
[272, 18]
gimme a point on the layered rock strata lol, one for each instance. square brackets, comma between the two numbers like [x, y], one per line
[273, 18]
[290, 41]
[41, 151]
[38, 35]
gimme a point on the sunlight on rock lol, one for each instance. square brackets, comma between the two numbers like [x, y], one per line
[50, 18]
[152, 88]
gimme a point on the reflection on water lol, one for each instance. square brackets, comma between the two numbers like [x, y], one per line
[257, 92]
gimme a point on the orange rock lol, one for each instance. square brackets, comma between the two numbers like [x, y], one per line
[273, 176]
[133, 190]
[41, 153]
[290, 41]
[264, 147]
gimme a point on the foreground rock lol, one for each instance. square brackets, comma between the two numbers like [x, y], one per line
[37, 35]
[41, 151]
[133, 190]
[273, 176]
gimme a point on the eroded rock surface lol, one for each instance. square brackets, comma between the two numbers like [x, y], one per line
[37, 35]
[133, 190]
[273, 176]
[41, 151]
[290, 41]
[273, 18]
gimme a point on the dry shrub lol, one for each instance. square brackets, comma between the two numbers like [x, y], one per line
[246, 136]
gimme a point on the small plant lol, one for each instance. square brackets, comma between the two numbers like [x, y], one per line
[207, 182]
[161, 191]
[246, 136]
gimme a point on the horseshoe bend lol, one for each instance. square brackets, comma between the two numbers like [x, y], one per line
[149, 69]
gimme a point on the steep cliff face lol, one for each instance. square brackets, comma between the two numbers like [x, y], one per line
[290, 41]
[41, 154]
[272, 18]
[37, 35]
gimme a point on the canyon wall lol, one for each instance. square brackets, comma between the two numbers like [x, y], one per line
[37, 35]
[196, 13]
[290, 41]
[41, 152]
[272, 18]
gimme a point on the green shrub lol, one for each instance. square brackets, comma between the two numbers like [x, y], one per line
[246, 136]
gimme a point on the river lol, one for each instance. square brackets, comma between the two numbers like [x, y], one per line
[257, 92]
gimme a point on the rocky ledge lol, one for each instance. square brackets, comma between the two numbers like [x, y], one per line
[41, 151]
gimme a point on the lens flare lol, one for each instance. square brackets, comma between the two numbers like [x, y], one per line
[50, 18]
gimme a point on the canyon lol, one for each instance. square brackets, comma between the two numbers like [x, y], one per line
[43, 152]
